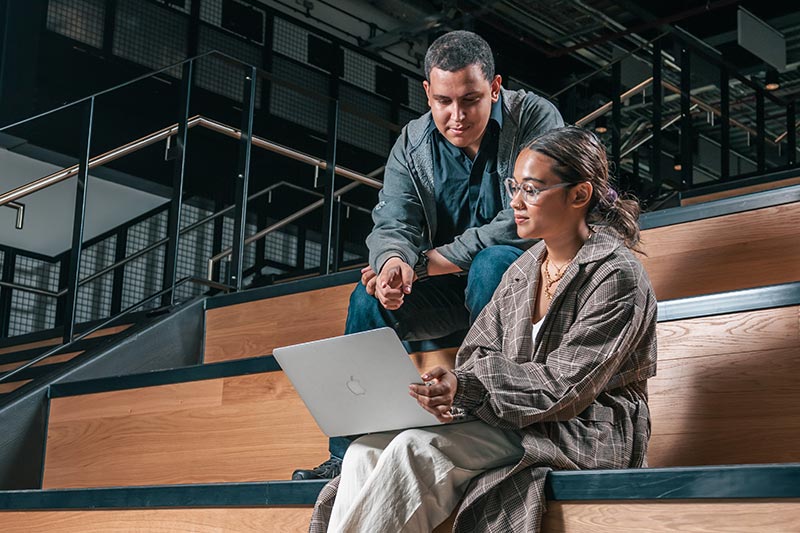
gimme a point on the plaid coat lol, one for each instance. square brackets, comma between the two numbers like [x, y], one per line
[578, 399]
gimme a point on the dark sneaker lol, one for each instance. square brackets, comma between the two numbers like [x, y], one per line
[327, 470]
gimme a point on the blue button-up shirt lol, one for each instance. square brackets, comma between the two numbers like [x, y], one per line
[467, 191]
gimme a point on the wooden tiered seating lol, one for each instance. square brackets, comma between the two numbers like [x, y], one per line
[742, 249]
[724, 253]
[726, 389]
[740, 498]
[740, 191]
[724, 394]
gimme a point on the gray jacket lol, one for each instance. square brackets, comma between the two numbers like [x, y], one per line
[405, 216]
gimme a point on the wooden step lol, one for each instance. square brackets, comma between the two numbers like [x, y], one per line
[256, 328]
[741, 191]
[733, 498]
[726, 386]
[249, 425]
[725, 253]
[55, 341]
[719, 247]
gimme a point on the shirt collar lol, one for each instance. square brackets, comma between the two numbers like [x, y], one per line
[497, 111]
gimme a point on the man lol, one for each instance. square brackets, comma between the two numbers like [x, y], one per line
[443, 226]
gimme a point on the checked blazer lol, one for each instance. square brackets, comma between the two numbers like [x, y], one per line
[577, 395]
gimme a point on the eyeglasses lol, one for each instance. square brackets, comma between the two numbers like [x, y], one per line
[529, 192]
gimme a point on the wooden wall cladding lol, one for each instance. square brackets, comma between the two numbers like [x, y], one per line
[742, 250]
[740, 191]
[56, 341]
[726, 390]
[697, 516]
[256, 328]
[243, 520]
[731, 252]
[243, 428]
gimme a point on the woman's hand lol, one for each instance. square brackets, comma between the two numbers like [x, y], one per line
[437, 396]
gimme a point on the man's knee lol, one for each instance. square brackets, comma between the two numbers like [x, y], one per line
[494, 260]
[363, 312]
[485, 273]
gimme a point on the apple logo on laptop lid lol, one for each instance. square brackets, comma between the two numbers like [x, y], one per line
[354, 386]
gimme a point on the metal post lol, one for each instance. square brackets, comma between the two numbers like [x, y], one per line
[63, 279]
[121, 249]
[9, 260]
[725, 125]
[109, 26]
[261, 244]
[686, 119]
[760, 136]
[658, 91]
[176, 204]
[300, 260]
[330, 176]
[791, 135]
[77, 223]
[337, 246]
[242, 177]
[616, 119]
[216, 242]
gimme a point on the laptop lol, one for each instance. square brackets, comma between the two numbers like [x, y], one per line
[357, 383]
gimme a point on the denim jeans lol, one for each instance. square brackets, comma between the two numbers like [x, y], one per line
[437, 313]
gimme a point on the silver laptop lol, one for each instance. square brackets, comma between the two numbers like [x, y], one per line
[356, 383]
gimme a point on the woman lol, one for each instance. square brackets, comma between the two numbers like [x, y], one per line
[554, 369]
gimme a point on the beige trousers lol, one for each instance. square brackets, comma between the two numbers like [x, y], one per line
[412, 480]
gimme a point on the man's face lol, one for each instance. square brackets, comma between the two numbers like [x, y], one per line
[461, 102]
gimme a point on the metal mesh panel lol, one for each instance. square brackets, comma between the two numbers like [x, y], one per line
[359, 70]
[211, 12]
[360, 131]
[281, 247]
[143, 276]
[290, 104]
[32, 312]
[406, 116]
[313, 254]
[222, 78]
[150, 35]
[94, 298]
[194, 250]
[82, 20]
[186, 8]
[290, 40]
[416, 96]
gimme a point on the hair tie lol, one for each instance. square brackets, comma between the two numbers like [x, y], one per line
[611, 196]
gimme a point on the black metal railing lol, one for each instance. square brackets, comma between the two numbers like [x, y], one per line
[699, 121]
[177, 134]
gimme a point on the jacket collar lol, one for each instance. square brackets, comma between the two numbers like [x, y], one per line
[603, 242]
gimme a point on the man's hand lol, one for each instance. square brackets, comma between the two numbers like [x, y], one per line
[393, 283]
[368, 279]
[437, 396]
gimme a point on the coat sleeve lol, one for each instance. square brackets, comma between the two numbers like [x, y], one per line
[511, 394]
[501, 230]
[399, 219]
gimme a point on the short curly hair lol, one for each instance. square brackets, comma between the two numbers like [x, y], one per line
[459, 49]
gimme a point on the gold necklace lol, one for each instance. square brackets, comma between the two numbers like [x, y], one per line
[548, 281]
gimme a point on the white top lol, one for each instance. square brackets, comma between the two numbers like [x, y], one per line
[536, 327]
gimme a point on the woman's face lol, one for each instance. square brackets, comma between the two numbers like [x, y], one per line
[551, 214]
